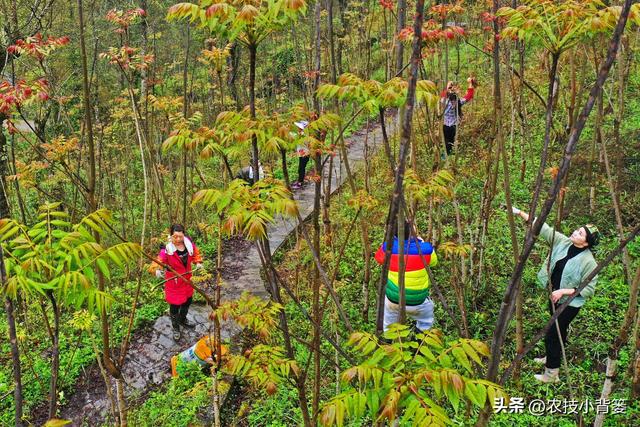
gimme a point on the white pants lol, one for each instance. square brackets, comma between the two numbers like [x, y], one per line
[422, 314]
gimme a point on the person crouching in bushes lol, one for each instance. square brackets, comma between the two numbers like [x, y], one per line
[419, 306]
[203, 352]
[246, 174]
[568, 264]
[181, 254]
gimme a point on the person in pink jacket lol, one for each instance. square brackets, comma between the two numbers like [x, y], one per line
[182, 255]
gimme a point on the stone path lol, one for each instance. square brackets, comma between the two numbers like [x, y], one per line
[147, 363]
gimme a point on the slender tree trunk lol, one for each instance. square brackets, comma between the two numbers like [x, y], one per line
[522, 111]
[385, 141]
[91, 183]
[626, 261]
[105, 377]
[285, 171]
[317, 159]
[574, 87]
[547, 133]
[185, 112]
[232, 64]
[217, 327]
[618, 343]
[623, 75]
[635, 367]
[13, 341]
[405, 139]
[122, 402]
[497, 103]
[594, 144]
[402, 295]
[253, 48]
[402, 16]
[55, 357]
[317, 379]
[332, 44]
[4, 168]
[274, 289]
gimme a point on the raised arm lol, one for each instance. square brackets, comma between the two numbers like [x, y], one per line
[157, 267]
[470, 90]
[547, 233]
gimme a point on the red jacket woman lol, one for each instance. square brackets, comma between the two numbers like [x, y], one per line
[181, 255]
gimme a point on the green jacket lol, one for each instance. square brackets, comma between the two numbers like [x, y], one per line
[575, 270]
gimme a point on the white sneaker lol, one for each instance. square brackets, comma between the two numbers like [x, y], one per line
[549, 376]
[540, 360]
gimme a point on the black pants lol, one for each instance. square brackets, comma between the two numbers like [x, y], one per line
[449, 137]
[179, 312]
[551, 341]
[302, 167]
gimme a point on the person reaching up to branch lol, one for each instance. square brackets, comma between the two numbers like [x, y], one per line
[246, 173]
[452, 103]
[417, 254]
[571, 260]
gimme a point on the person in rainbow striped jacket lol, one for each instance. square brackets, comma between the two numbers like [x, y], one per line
[417, 254]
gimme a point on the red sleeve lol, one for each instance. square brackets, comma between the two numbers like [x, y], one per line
[469, 95]
[380, 256]
[159, 262]
[443, 94]
[197, 258]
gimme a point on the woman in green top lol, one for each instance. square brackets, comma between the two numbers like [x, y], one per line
[568, 264]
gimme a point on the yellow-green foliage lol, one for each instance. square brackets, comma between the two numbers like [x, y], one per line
[249, 209]
[561, 25]
[409, 380]
[248, 21]
[263, 366]
[373, 95]
[64, 258]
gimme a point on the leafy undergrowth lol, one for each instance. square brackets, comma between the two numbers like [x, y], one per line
[591, 333]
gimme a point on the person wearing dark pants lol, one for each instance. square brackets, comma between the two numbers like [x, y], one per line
[452, 113]
[449, 137]
[568, 265]
[178, 313]
[552, 346]
[303, 156]
[302, 168]
[181, 255]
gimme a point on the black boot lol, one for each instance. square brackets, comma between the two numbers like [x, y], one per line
[184, 322]
[182, 315]
[175, 324]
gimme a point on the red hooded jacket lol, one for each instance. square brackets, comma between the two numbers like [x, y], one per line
[177, 289]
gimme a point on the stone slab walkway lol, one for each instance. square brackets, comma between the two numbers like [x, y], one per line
[147, 363]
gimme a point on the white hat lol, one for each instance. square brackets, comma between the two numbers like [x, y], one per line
[302, 124]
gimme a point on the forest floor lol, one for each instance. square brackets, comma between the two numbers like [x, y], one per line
[147, 363]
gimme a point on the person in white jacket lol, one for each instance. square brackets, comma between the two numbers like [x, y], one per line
[303, 157]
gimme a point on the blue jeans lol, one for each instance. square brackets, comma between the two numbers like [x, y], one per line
[422, 314]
